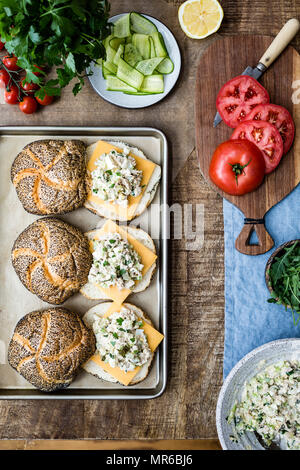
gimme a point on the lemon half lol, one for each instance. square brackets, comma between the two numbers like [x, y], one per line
[200, 18]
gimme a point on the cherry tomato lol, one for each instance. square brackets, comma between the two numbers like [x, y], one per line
[267, 139]
[238, 97]
[38, 73]
[237, 167]
[10, 62]
[279, 117]
[11, 95]
[45, 101]
[2, 44]
[28, 105]
[4, 78]
[29, 87]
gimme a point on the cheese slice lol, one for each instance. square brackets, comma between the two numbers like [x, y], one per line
[147, 258]
[146, 166]
[154, 338]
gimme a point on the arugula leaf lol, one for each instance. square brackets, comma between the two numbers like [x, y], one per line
[65, 34]
[284, 275]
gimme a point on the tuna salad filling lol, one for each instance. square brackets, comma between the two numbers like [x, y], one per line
[270, 405]
[116, 177]
[115, 262]
[121, 341]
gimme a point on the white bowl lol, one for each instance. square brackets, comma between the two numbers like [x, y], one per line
[131, 101]
[253, 363]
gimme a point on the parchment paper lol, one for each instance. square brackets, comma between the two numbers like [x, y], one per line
[16, 300]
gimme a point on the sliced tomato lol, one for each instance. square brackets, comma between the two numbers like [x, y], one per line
[280, 118]
[237, 167]
[238, 97]
[267, 139]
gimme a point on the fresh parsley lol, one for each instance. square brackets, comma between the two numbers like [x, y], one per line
[65, 34]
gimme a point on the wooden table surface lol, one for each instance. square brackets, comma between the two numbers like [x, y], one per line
[196, 278]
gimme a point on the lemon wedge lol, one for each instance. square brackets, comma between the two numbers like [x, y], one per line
[200, 18]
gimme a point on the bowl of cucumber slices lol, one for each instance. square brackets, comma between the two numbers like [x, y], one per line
[142, 62]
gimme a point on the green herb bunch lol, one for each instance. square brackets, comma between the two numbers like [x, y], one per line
[284, 274]
[66, 34]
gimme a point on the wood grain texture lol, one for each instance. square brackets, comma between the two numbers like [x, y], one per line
[195, 444]
[228, 57]
[196, 306]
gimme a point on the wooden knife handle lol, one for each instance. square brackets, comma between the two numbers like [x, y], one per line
[265, 241]
[280, 42]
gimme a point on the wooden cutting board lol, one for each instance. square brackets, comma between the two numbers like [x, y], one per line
[223, 60]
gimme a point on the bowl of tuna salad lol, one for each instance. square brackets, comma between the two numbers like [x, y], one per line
[259, 403]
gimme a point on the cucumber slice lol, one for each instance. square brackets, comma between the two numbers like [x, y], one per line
[105, 72]
[152, 48]
[122, 26]
[159, 43]
[140, 24]
[115, 42]
[129, 75]
[115, 84]
[166, 66]
[112, 68]
[147, 67]
[137, 93]
[110, 53]
[142, 43]
[153, 84]
[119, 54]
[132, 55]
[107, 40]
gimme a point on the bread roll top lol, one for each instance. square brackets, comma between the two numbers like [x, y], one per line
[48, 347]
[52, 259]
[50, 176]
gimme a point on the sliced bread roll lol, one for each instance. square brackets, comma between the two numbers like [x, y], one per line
[95, 369]
[147, 197]
[93, 292]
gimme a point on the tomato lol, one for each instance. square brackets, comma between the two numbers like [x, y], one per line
[38, 73]
[10, 62]
[237, 167]
[11, 95]
[45, 101]
[280, 118]
[28, 105]
[4, 78]
[238, 97]
[2, 44]
[29, 87]
[266, 137]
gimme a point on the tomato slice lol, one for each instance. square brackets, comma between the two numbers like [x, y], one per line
[238, 97]
[267, 139]
[280, 118]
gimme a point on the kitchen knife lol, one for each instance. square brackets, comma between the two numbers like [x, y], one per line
[280, 42]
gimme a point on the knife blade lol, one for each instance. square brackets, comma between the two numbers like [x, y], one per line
[255, 72]
[283, 38]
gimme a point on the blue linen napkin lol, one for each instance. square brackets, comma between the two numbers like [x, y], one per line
[250, 320]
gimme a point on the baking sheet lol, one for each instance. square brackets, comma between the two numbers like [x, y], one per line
[16, 300]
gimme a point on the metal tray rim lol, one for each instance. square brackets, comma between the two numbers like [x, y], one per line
[134, 395]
